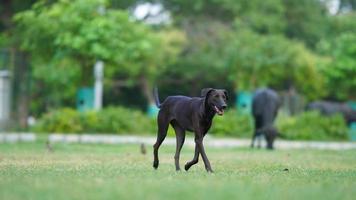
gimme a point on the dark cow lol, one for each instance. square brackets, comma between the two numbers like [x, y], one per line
[265, 105]
[328, 108]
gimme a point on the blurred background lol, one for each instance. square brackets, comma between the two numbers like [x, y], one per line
[89, 66]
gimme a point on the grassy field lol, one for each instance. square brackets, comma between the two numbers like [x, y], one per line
[77, 171]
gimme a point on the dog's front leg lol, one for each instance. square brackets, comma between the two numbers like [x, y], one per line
[195, 159]
[199, 144]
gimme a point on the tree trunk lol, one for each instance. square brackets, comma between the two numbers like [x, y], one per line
[6, 13]
[23, 97]
[147, 89]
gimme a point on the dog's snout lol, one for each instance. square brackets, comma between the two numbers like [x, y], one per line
[223, 106]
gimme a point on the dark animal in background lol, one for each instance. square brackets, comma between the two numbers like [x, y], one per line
[328, 108]
[189, 114]
[265, 105]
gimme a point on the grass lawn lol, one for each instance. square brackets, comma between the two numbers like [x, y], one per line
[78, 171]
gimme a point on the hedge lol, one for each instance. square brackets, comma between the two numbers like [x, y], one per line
[109, 120]
[313, 126]
[120, 120]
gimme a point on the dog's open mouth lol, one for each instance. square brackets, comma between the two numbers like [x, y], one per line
[218, 111]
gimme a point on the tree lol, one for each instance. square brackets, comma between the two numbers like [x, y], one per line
[72, 35]
[262, 16]
[339, 24]
[306, 20]
[8, 8]
[17, 60]
[201, 61]
[257, 60]
[341, 71]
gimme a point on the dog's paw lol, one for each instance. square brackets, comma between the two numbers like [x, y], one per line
[155, 164]
[186, 167]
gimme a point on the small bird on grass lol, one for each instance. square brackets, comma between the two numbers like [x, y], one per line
[49, 146]
[143, 148]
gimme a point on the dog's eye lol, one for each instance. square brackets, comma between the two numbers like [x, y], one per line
[216, 96]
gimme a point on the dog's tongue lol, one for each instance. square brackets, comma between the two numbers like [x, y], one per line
[220, 112]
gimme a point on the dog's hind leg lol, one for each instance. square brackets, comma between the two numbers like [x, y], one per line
[161, 135]
[194, 161]
[180, 136]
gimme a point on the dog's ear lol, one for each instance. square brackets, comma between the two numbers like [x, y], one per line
[206, 91]
[226, 94]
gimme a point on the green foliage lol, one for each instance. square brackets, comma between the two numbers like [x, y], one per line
[57, 81]
[119, 120]
[248, 59]
[306, 20]
[341, 71]
[189, 9]
[69, 36]
[232, 124]
[109, 120]
[313, 126]
[339, 24]
[306, 126]
[72, 34]
[63, 121]
[203, 53]
[261, 16]
[235, 44]
[85, 31]
[256, 60]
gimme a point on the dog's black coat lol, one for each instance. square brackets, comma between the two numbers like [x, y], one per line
[191, 114]
[328, 108]
[265, 105]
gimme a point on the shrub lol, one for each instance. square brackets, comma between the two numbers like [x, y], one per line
[109, 120]
[313, 126]
[121, 120]
[65, 120]
[232, 124]
[306, 126]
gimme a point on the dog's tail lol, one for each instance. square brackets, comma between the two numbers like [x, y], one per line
[155, 94]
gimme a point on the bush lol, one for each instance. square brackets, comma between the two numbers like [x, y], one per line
[65, 120]
[232, 124]
[109, 120]
[121, 120]
[313, 126]
[306, 126]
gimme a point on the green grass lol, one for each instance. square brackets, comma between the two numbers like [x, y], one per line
[77, 171]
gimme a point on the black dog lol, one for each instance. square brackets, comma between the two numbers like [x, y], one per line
[191, 114]
[265, 105]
